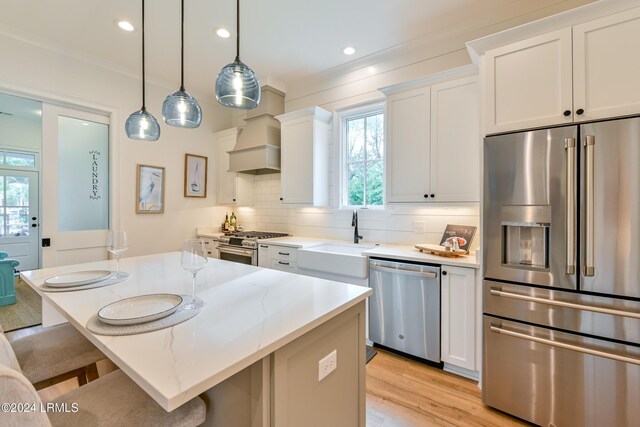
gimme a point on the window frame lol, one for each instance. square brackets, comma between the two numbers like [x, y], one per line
[355, 112]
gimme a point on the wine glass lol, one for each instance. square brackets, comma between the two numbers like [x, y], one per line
[194, 258]
[116, 244]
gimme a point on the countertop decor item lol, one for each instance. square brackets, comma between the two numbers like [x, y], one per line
[141, 124]
[237, 85]
[150, 189]
[195, 175]
[77, 278]
[112, 279]
[180, 109]
[462, 234]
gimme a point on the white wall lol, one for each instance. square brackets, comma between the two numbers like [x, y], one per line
[29, 69]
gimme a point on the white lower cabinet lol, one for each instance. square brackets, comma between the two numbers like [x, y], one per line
[458, 320]
[278, 257]
[211, 246]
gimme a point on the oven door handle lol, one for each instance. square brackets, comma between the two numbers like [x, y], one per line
[603, 310]
[565, 346]
[236, 251]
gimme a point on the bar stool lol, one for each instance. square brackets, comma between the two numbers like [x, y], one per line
[112, 400]
[55, 354]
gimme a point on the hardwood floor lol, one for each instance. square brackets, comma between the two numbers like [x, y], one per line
[405, 393]
[400, 393]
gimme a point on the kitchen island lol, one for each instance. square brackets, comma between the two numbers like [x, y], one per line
[253, 350]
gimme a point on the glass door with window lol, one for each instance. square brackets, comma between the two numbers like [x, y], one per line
[19, 217]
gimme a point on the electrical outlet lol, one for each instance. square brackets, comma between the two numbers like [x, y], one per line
[418, 226]
[327, 364]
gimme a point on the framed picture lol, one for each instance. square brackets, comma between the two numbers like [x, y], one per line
[195, 175]
[150, 189]
[464, 233]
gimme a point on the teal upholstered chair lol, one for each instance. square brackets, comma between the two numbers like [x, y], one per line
[7, 279]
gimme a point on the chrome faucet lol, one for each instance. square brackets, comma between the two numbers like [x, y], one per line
[354, 223]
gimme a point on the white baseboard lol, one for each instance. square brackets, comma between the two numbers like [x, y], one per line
[463, 372]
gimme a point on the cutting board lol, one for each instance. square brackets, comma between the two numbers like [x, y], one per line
[439, 250]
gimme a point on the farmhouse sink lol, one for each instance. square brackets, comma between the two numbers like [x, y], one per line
[339, 259]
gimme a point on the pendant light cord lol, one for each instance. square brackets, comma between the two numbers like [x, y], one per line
[237, 30]
[182, 49]
[143, 80]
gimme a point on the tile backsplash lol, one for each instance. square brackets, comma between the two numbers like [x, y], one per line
[402, 225]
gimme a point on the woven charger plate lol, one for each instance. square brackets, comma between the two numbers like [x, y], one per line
[106, 282]
[181, 315]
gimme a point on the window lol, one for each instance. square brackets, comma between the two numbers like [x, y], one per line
[363, 145]
[13, 158]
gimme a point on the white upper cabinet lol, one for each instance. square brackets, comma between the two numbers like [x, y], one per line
[583, 72]
[305, 156]
[408, 145]
[433, 143]
[233, 188]
[606, 66]
[455, 141]
[529, 83]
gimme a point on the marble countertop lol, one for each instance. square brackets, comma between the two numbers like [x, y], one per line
[249, 313]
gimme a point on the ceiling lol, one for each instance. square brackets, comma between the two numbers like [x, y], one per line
[283, 39]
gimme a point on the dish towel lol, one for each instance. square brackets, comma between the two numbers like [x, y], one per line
[181, 315]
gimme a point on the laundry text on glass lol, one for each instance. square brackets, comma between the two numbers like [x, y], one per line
[95, 158]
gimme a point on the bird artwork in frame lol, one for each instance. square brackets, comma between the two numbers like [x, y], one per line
[195, 175]
[150, 189]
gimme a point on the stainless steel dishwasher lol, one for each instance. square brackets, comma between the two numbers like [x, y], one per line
[404, 311]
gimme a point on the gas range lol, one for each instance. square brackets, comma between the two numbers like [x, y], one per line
[247, 239]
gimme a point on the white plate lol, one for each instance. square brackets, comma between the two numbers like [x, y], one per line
[77, 278]
[140, 309]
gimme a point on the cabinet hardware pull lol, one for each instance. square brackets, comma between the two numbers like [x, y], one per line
[566, 346]
[283, 253]
[570, 146]
[283, 263]
[567, 113]
[264, 246]
[557, 303]
[433, 195]
[589, 244]
[426, 196]
[579, 111]
[444, 273]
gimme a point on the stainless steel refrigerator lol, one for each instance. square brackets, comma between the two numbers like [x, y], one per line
[561, 236]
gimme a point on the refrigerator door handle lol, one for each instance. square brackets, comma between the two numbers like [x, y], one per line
[570, 147]
[558, 303]
[589, 245]
[566, 346]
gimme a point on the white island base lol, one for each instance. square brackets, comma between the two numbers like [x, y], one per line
[283, 389]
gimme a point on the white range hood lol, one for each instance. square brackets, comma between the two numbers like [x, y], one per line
[257, 150]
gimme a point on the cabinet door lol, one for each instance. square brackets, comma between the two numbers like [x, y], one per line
[263, 256]
[455, 141]
[297, 161]
[606, 67]
[529, 83]
[226, 179]
[408, 151]
[458, 316]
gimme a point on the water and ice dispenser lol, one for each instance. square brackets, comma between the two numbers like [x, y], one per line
[525, 236]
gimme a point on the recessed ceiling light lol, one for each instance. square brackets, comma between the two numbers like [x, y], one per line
[223, 32]
[125, 25]
[349, 50]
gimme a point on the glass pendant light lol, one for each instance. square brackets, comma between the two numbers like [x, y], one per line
[237, 85]
[141, 124]
[181, 109]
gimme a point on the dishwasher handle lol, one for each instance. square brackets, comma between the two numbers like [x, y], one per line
[427, 274]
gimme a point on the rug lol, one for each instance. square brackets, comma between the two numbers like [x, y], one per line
[370, 353]
[27, 311]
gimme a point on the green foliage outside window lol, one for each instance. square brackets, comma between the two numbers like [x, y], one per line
[365, 157]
